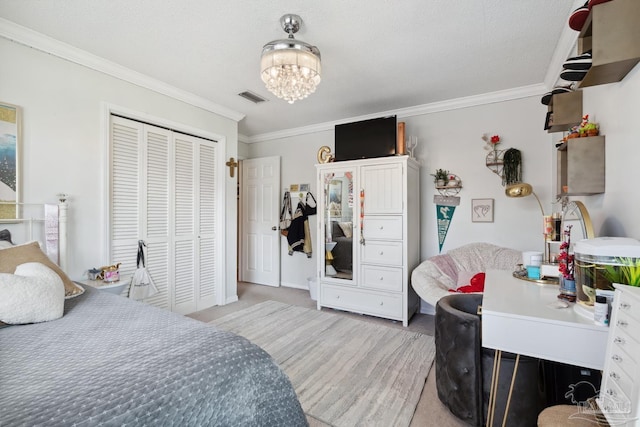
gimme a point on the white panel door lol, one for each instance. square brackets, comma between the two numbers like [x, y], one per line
[260, 217]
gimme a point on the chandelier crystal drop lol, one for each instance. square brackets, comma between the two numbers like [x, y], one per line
[290, 68]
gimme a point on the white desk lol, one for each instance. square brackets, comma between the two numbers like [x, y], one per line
[516, 318]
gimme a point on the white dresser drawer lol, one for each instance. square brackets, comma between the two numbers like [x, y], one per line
[620, 376]
[630, 307]
[383, 227]
[613, 400]
[387, 253]
[384, 278]
[620, 392]
[624, 353]
[622, 339]
[367, 302]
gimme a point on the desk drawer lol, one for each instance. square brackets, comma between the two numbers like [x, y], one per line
[377, 304]
[383, 227]
[387, 253]
[384, 278]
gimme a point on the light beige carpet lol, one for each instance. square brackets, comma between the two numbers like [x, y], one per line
[346, 372]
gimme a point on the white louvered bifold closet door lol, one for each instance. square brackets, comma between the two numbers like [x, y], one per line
[155, 202]
[207, 223]
[125, 227]
[164, 192]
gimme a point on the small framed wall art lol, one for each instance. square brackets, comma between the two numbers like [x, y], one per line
[481, 210]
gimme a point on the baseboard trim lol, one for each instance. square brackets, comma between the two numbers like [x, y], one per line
[231, 299]
[294, 285]
[426, 308]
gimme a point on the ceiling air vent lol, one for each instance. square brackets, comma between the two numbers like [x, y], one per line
[256, 99]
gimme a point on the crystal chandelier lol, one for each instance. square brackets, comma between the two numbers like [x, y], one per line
[290, 68]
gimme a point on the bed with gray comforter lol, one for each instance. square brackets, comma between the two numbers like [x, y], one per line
[113, 361]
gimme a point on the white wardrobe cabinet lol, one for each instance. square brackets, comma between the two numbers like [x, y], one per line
[369, 233]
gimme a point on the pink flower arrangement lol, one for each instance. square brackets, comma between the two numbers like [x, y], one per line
[565, 259]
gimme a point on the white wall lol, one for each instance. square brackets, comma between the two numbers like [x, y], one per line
[449, 140]
[617, 107]
[63, 142]
[299, 156]
[452, 140]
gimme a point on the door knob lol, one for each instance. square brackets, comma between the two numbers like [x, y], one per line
[274, 228]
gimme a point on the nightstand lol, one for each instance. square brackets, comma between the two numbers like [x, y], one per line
[121, 287]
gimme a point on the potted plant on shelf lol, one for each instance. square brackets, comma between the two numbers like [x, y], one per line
[589, 129]
[441, 177]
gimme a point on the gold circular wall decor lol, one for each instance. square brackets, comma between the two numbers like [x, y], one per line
[324, 154]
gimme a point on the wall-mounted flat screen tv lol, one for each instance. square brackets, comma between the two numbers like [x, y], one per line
[366, 139]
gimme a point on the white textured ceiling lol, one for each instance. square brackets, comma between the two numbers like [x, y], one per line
[377, 55]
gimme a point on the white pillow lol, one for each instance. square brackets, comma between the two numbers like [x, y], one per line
[4, 244]
[347, 229]
[34, 293]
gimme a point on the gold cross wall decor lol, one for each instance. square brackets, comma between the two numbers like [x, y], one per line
[232, 165]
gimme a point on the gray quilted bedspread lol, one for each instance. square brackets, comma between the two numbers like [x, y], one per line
[112, 361]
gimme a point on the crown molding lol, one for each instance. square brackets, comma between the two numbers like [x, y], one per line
[435, 107]
[25, 36]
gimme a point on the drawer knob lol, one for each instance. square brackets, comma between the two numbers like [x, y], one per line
[337, 296]
[381, 253]
[616, 358]
[622, 323]
[618, 340]
[381, 277]
[381, 303]
[625, 305]
[610, 392]
[614, 376]
[381, 227]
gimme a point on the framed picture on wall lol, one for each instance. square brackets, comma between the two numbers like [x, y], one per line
[481, 210]
[10, 117]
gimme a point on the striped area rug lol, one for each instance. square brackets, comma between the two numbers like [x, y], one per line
[346, 372]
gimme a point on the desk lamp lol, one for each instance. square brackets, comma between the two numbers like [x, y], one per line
[522, 189]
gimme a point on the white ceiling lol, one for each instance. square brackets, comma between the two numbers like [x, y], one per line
[377, 55]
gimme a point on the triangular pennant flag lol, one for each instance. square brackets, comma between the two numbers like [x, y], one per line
[445, 207]
[444, 215]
